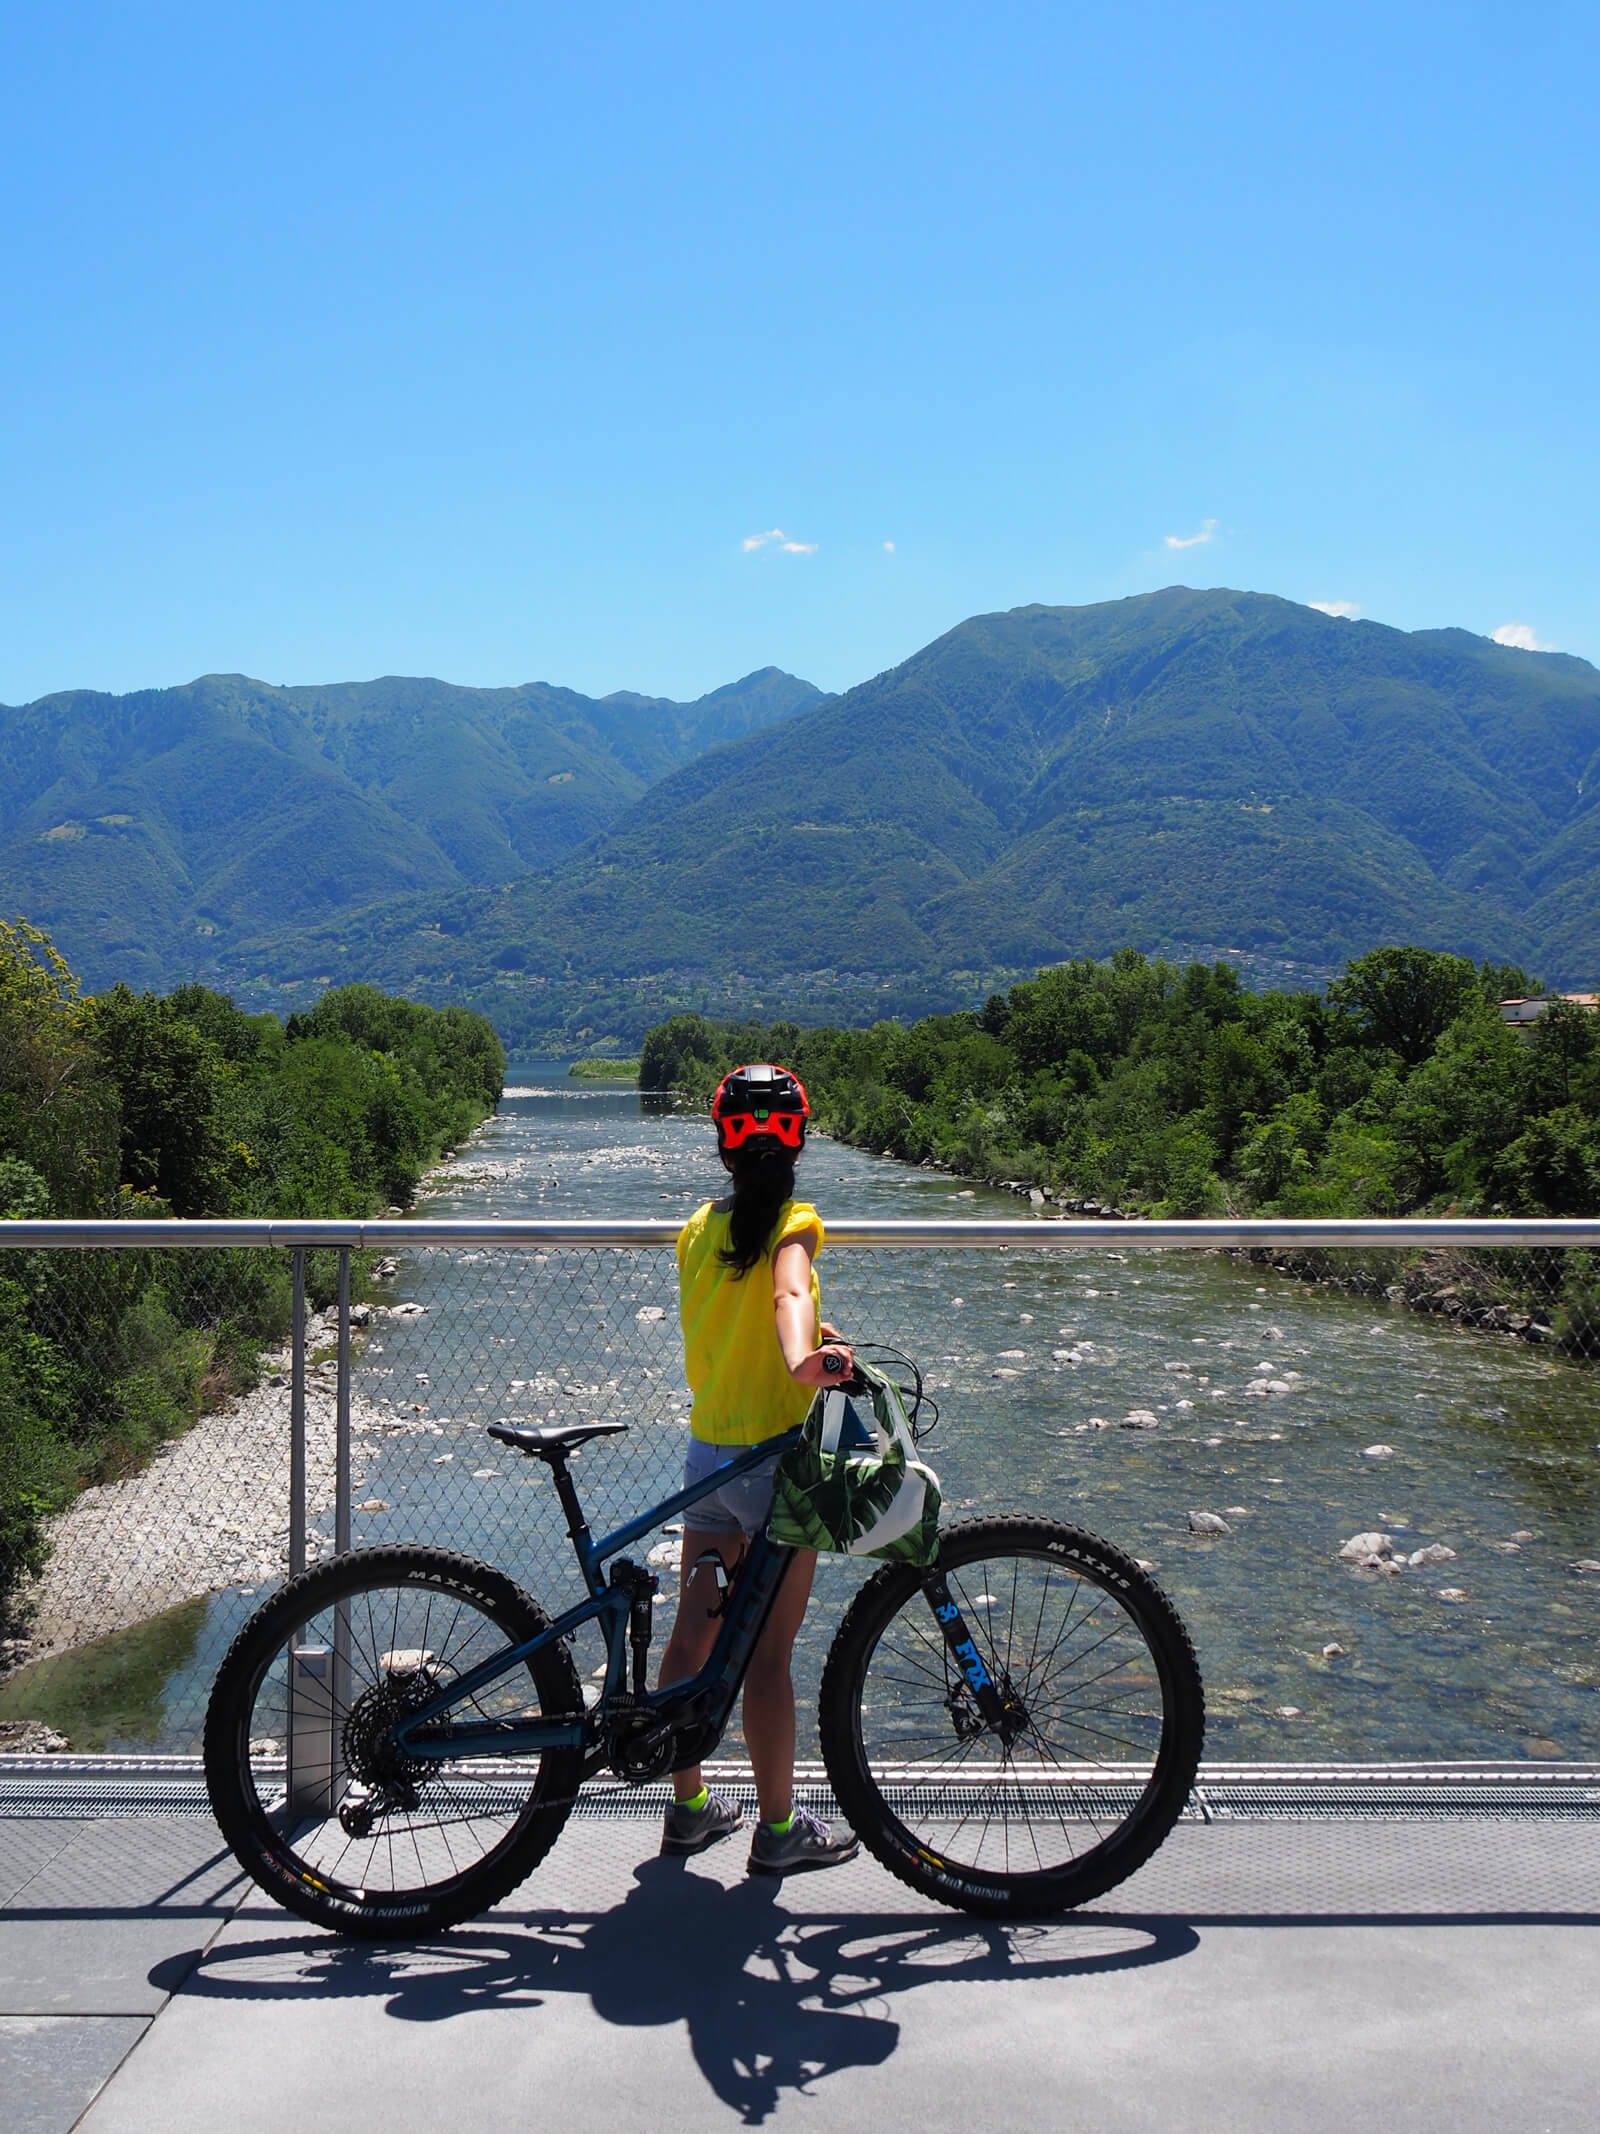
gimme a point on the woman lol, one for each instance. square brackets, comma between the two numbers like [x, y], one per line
[754, 1346]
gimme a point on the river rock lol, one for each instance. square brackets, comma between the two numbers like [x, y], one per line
[1378, 1452]
[1435, 1552]
[30, 1737]
[1586, 1565]
[1208, 1523]
[1333, 1652]
[1455, 1595]
[1360, 1547]
[1140, 1419]
[1288, 1711]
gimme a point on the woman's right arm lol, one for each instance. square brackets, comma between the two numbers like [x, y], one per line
[796, 1319]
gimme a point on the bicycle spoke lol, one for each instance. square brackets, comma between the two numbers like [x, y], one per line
[402, 1640]
[1057, 1642]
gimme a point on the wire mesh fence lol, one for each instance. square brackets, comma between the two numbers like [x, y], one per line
[1239, 1416]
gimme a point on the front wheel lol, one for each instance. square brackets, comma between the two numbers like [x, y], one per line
[1103, 1720]
[379, 1844]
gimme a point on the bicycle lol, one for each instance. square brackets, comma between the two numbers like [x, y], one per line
[1012, 1731]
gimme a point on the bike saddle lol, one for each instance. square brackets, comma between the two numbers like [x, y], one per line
[554, 1441]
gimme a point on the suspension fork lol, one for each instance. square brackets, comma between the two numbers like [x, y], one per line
[1003, 1711]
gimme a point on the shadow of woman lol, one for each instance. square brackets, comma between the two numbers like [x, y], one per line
[773, 2000]
[760, 2016]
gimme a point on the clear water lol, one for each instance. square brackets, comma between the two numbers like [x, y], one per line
[1490, 1439]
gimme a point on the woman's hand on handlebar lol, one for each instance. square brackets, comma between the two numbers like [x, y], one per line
[834, 1364]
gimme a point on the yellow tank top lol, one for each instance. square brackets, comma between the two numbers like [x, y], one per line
[740, 1382]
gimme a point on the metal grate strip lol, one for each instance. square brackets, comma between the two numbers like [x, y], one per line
[88, 1789]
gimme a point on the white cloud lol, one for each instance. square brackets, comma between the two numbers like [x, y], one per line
[1344, 608]
[1520, 634]
[888, 548]
[788, 547]
[1208, 530]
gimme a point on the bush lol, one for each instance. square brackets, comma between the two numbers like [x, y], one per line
[128, 1104]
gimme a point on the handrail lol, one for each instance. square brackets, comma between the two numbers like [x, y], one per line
[1052, 1232]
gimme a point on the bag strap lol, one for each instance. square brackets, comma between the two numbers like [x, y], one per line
[832, 1422]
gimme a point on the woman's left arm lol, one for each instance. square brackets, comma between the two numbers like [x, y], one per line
[796, 1321]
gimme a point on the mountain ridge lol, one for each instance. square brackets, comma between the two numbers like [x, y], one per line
[1188, 769]
[145, 827]
[1186, 766]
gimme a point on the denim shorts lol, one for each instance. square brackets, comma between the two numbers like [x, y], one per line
[739, 1506]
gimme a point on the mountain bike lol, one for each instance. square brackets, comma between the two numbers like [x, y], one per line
[1011, 1731]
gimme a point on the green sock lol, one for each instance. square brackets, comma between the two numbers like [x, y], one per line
[782, 1830]
[695, 1805]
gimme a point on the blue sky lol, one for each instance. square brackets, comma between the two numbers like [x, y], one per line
[483, 341]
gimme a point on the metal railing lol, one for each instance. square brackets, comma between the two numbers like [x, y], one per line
[357, 1422]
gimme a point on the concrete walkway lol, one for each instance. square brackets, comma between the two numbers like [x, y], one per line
[1255, 1976]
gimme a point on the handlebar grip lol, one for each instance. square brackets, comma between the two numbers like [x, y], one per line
[833, 1363]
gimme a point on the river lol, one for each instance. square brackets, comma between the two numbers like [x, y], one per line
[1037, 1360]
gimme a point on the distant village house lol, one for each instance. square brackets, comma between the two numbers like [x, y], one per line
[1523, 1014]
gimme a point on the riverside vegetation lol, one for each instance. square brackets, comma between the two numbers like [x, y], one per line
[1173, 1092]
[131, 1105]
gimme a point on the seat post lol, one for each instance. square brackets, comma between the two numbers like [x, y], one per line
[577, 1525]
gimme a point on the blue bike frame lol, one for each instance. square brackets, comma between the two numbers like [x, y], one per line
[702, 1700]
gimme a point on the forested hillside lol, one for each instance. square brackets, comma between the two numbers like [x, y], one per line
[1188, 772]
[125, 1104]
[154, 832]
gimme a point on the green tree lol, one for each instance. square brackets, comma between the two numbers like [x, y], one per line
[167, 1077]
[1562, 1052]
[1552, 1168]
[57, 1113]
[1406, 998]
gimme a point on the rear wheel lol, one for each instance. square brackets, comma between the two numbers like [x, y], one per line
[1105, 1714]
[391, 1846]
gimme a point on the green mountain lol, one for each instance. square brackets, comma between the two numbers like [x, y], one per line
[1186, 772]
[152, 832]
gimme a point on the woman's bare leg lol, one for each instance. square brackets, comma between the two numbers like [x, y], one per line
[695, 1630]
[769, 1692]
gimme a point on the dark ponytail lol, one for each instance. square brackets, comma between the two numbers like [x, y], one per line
[763, 1179]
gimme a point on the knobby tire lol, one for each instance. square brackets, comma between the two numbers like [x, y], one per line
[279, 1858]
[893, 1709]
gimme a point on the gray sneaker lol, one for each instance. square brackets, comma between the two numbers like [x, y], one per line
[693, 1829]
[805, 1844]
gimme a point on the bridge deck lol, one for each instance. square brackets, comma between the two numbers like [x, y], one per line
[1325, 1948]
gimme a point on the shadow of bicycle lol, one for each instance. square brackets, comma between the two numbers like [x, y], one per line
[773, 2001]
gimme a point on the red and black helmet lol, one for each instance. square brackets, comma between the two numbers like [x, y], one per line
[760, 1100]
